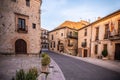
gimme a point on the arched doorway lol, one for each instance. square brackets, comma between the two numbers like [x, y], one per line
[20, 46]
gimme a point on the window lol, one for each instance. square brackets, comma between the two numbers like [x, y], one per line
[68, 42]
[51, 45]
[106, 31]
[54, 44]
[119, 27]
[105, 47]
[13, 0]
[61, 34]
[96, 49]
[70, 33]
[27, 2]
[85, 34]
[97, 33]
[34, 26]
[52, 37]
[85, 41]
[21, 24]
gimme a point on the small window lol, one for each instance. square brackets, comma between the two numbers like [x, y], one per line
[85, 32]
[61, 34]
[27, 2]
[34, 26]
[13, 0]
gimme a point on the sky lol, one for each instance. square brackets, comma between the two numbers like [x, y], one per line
[55, 12]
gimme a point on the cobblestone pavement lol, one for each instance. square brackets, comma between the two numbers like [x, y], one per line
[9, 65]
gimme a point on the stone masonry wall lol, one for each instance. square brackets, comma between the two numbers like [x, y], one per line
[8, 33]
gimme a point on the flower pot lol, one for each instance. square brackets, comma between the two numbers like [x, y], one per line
[44, 69]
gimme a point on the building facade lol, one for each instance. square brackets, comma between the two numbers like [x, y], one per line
[44, 39]
[106, 36]
[84, 41]
[64, 38]
[103, 35]
[20, 26]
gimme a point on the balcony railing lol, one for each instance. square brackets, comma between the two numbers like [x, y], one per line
[72, 36]
[114, 37]
[43, 37]
[20, 29]
[84, 44]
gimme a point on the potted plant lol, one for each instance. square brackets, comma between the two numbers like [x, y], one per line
[45, 63]
[104, 54]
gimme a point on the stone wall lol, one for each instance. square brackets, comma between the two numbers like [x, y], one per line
[8, 34]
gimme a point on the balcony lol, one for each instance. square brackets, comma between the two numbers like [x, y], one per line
[114, 37]
[44, 38]
[72, 36]
[22, 29]
[84, 44]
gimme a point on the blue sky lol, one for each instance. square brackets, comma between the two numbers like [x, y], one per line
[55, 12]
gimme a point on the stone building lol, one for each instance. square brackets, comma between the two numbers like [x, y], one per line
[64, 38]
[44, 38]
[103, 34]
[84, 41]
[20, 26]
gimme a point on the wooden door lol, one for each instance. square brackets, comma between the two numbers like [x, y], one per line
[85, 52]
[117, 51]
[20, 46]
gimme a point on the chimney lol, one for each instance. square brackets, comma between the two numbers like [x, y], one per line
[98, 18]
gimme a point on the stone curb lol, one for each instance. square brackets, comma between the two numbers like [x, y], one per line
[55, 73]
